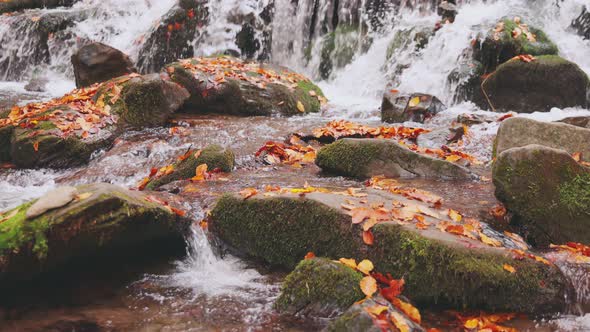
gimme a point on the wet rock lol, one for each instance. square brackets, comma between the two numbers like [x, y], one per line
[320, 287]
[97, 62]
[465, 79]
[518, 132]
[418, 107]
[364, 158]
[14, 5]
[104, 218]
[226, 85]
[172, 38]
[582, 23]
[54, 199]
[356, 318]
[500, 45]
[339, 48]
[5, 136]
[537, 86]
[578, 121]
[214, 156]
[447, 10]
[470, 119]
[404, 49]
[37, 84]
[468, 274]
[130, 102]
[548, 191]
[440, 137]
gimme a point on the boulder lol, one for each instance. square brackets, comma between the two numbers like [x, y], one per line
[172, 38]
[518, 132]
[14, 5]
[226, 85]
[417, 107]
[536, 86]
[440, 269]
[508, 39]
[582, 23]
[470, 119]
[364, 158]
[214, 156]
[319, 287]
[101, 219]
[440, 137]
[65, 131]
[548, 191]
[97, 62]
[57, 198]
[578, 121]
[447, 10]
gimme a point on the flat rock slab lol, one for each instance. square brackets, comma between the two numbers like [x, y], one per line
[440, 268]
[519, 132]
[52, 200]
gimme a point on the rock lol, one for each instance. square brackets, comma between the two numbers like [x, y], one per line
[578, 121]
[226, 85]
[214, 156]
[466, 273]
[14, 5]
[470, 119]
[54, 199]
[404, 49]
[518, 132]
[447, 10]
[37, 84]
[364, 158]
[339, 48]
[465, 79]
[319, 287]
[440, 136]
[418, 107]
[548, 191]
[358, 319]
[69, 129]
[499, 47]
[104, 219]
[582, 23]
[97, 62]
[537, 86]
[172, 38]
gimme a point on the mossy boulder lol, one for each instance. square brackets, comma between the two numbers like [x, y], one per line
[62, 133]
[103, 218]
[320, 287]
[518, 132]
[14, 5]
[536, 86]
[214, 156]
[364, 158]
[547, 191]
[502, 43]
[399, 108]
[226, 85]
[440, 269]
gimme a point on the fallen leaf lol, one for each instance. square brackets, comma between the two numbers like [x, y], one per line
[178, 212]
[309, 255]
[414, 102]
[377, 309]
[83, 196]
[365, 266]
[9, 216]
[359, 214]
[399, 322]
[471, 323]
[300, 107]
[412, 312]
[36, 146]
[248, 192]
[509, 268]
[455, 216]
[368, 286]
[200, 173]
[368, 238]
[350, 262]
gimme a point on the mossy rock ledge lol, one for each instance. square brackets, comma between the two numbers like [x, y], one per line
[547, 191]
[214, 156]
[101, 219]
[237, 93]
[537, 86]
[518, 132]
[440, 269]
[144, 101]
[364, 158]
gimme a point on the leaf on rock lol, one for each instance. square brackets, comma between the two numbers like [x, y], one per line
[365, 266]
[350, 262]
[248, 192]
[414, 102]
[368, 286]
[509, 268]
[399, 321]
[412, 312]
[368, 238]
[309, 255]
[300, 107]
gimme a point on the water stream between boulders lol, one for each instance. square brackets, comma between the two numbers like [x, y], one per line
[207, 288]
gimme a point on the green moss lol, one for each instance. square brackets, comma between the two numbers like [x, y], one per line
[343, 157]
[45, 125]
[17, 232]
[332, 286]
[575, 194]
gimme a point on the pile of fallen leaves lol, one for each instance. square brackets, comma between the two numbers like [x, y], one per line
[520, 30]
[578, 158]
[444, 153]
[220, 69]
[81, 115]
[483, 322]
[576, 252]
[295, 153]
[166, 205]
[345, 129]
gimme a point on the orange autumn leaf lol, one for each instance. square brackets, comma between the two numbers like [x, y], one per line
[359, 214]
[200, 173]
[577, 156]
[399, 322]
[412, 312]
[350, 262]
[248, 192]
[365, 266]
[368, 286]
[178, 212]
[368, 238]
[455, 216]
[309, 255]
[36, 146]
[509, 268]
[141, 186]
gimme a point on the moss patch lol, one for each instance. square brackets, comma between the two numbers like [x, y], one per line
[17, 231]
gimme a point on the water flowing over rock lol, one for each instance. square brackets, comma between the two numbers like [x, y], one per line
[97, 62]
[14, 5]
[547, 190]
[417, 107]
[582, 23]
[102, 219]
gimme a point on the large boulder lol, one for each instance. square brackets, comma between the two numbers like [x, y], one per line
[172, 38]
[41, 236]
[440, 268]
[547, 191]
[518, 132]
[14, 5]
[214, 156]
[65, 131]
[535, 86]
[227, 85]
[364, 158]
[510, 38]
[417, 107]
[320, 287]
[97, 62]
[582, 23]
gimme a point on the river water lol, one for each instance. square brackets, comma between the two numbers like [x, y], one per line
[205, 289]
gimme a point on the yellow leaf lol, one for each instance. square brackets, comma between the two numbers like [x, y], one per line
[200, 173]
[300, 107]
[489, 241]
[350, 262]
[377, 309]
[412, 312]
[472, 323]
[414, 102]
[368, 286]
[509, 268]
[399, 321]
[455, 216]
[366, 266]
[83, 196]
